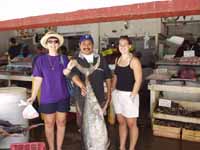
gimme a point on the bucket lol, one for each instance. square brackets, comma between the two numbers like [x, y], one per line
[10, 111]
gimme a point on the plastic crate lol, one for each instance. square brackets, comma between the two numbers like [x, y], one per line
[29, 146]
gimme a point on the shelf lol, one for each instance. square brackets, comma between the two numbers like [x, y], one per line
[188, 105]
[15, 77]
[173, 88]
[176, 118]
[176, 63]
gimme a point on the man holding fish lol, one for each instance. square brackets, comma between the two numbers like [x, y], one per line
[93, 70]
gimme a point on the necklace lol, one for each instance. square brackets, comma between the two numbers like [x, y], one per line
[52, 65]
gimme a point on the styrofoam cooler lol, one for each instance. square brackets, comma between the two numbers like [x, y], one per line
[10, 111]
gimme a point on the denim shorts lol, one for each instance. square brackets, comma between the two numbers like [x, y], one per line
[60, 106]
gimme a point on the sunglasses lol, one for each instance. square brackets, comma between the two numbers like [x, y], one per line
[53, 41]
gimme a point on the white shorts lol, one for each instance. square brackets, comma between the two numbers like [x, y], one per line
[124, 104]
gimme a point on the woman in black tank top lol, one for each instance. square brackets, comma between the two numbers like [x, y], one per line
[128, 78]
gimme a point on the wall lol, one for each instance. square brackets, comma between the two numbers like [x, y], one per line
[80, 30]
[132, 28]
[187, 30]
[102, 31]
[99, 31]
[188, 27]
[6, 35]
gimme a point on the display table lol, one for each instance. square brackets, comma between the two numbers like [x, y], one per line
[10, 77]
[168, 130]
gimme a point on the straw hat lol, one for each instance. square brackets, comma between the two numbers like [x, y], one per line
[51, 34]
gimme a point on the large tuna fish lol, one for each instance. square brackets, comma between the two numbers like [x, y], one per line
[94, 129]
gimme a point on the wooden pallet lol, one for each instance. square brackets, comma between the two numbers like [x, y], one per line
[190, 135]
[166, 131]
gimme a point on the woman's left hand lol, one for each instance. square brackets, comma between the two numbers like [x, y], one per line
[66, 71]
[133, 95]
[70, 66]
[72, 63]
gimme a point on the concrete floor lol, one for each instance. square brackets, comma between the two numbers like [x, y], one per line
[146, 140]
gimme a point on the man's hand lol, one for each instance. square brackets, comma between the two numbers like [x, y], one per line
[83, 90]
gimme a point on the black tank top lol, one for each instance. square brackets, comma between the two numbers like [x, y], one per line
[125, 78]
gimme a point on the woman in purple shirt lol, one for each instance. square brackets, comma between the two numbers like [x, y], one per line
[54, 100]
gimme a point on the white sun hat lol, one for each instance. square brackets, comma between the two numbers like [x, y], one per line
[51, 34]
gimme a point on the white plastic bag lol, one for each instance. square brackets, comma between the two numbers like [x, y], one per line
[29, 111]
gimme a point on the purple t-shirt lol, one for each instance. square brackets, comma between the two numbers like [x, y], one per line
[53, 87]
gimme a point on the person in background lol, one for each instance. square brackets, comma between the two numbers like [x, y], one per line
[63, 50]
[85, 58]
[185, 46]
[196, 47]
[40, 50]
[126, 83]
[14, 48]
[54, 99]
[25, 54]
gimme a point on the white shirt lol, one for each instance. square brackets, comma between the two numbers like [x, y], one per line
[89, 58]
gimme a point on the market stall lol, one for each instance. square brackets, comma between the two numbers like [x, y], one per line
[155, 9]
[175, 95]
[16, 71]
